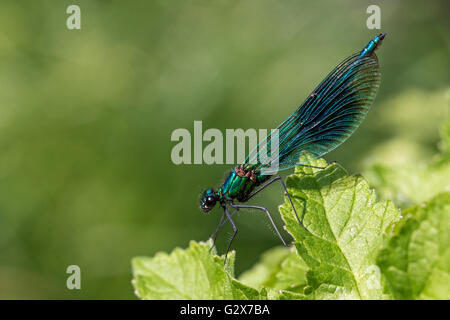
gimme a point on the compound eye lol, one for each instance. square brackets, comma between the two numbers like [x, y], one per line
[210, 201]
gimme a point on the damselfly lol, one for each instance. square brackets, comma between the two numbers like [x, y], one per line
[329, 115]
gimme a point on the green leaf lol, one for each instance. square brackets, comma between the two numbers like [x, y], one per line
[337, 256]
[278, 268]
[345, 227]
[193, 273]
[263, 274]
[416, 261]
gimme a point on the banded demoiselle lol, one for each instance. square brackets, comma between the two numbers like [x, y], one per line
[328, 116]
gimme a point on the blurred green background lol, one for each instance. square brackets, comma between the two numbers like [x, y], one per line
[86, 116]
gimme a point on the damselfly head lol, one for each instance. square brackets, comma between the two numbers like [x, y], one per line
[208, 200]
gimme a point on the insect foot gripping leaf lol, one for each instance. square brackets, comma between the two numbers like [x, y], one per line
[193, 273]
[344, 229]
[416, 261]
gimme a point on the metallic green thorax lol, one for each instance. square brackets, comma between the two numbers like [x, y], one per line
[239, 187]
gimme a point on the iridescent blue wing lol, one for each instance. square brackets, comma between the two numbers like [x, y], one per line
[329, 115]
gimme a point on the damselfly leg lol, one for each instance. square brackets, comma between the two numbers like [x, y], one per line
[219, 227]
[241, 206]
[235, 229]
[228, 217]
[265, 185]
